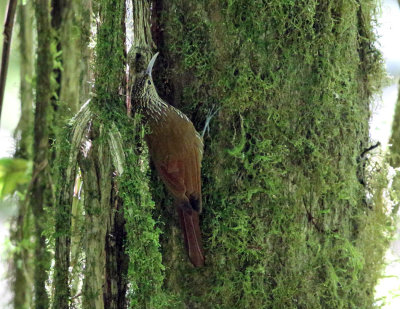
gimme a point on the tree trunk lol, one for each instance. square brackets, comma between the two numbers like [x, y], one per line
[105, 264]
[21, 232]
[285, 219]
[394, 155]
[40, 180]
[394, 142]
[283, 89]
[73, 82]
[96, 174]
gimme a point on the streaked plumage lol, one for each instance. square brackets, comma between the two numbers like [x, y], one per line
[176, 150]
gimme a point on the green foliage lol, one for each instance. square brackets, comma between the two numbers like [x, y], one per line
[13, 173]
[285, 220]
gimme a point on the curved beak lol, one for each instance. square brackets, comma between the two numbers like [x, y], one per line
[151, 63]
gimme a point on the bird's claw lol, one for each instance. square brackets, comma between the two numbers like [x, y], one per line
[211, 113]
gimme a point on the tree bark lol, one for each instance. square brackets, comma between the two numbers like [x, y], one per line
[292, 83]
[21, 232]
[97, 174]
[24, 129]
[40, 180]
[394, 142]
[286, 222]
[105, 264]
[8, 29]
[73, 89]
[68, 157]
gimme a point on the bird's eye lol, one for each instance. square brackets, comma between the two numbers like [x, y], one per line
[149, 82]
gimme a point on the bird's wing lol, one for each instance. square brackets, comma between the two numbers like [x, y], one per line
[181, 171]
[172, 174]
[193, 171]
[177, 149]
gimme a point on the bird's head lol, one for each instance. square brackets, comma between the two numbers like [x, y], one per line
[143, 89]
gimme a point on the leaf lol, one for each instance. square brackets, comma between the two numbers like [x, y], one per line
[13, 173]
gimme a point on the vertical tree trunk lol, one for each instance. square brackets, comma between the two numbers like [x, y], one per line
[394, 149]
[59, 12]
[5, 56]
[292, 82]
[23, 132]
[74, 56]
[40, 180]
[68, 16]
[105, 281]
[286, 219]
[21, 232]
[66, 178]
[394, 154]
[96, 173]
[86, 72]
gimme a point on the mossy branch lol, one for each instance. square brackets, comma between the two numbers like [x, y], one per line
[8, 29]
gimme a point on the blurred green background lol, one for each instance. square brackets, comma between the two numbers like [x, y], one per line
[9, 120]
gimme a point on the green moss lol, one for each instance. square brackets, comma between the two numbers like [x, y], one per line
[145, 272]
[284, 219]
[395, 138]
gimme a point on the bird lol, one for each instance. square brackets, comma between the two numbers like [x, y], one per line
[176, 149]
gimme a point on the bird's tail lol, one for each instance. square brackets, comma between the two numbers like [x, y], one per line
[191, 232]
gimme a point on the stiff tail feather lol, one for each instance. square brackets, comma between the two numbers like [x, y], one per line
[191, 232]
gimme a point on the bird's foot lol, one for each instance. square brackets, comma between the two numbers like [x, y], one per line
[211, 113]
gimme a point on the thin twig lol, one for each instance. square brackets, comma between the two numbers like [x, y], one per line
[8, 27]
[369, 149]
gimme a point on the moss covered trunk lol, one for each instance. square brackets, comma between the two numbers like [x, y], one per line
[104, 283]
[40, 177]
[395, 137]
[394, 153]
[284, 88]
[71, 20]
[286, 222]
